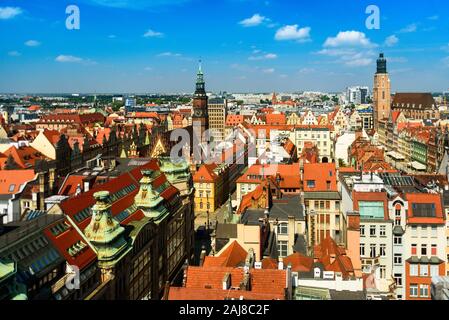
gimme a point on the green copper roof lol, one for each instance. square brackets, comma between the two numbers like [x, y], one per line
[149, 199]
[7, 269]
[103, 231]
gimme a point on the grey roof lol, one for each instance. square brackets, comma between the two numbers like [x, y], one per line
[323, 195]
[347, 295]
[398, 231]
[226, 231]
[288, 206]
[300, 245]
[424, 260]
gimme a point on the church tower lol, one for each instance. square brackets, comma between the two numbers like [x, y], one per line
[200, 113]
[381, 92]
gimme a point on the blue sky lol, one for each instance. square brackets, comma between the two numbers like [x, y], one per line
[245, 45]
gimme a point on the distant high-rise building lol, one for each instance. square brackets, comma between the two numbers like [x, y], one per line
[217, 117]
[357, 95]
[381, 92]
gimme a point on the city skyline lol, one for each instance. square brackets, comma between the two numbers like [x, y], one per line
[245, 45]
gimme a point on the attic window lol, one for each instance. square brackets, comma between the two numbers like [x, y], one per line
[12, 187]
[311, 183]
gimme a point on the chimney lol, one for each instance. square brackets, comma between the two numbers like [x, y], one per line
[202, 256]
[281, 264]
[245, 285]
[227, 281]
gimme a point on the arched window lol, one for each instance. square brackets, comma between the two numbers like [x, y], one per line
[282, 228]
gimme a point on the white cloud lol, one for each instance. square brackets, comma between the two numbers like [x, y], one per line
[361, 62]
[410, 28]
[351, 57]
[268, 56]
[269, 70]
[32, 43]
[73, 59]
[9, 12]
[153, 34]
[169, 54]
[254, 21]
[348, 39]
[14, 54]
[306, 71]
[292, 32]
[391, 41]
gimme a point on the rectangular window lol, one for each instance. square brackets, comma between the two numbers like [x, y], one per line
[414, 290]
[424, 232]
[414, 231]
[434, 250]
[398, 279]
[434, 270]
[397, 240]
[434, 232]
[362, 231]
[372, 231]
[424, 249]
[414, 249]
[424, 270]
[414, 270]
[383, 272]
[397, 259]
[362, 250]
[310, 183]
[282, 248]
[383, 249]
[383, 231]
[372, 250]
[424, 291]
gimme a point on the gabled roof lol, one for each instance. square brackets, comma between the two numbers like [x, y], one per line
[299, 262]
[233, 256]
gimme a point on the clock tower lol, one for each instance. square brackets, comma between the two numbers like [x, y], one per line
[200, 115]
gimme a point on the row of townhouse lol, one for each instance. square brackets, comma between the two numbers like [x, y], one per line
[402, 231]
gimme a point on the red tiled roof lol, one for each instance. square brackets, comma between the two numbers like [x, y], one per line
[232, 256]
[67, 239]
[321, 173]
[333, 257]
[12, 180]
[298, 262]
[425, 198]
[263, 281]
[205, 173]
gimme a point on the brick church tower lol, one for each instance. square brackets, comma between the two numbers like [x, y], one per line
[381, 92]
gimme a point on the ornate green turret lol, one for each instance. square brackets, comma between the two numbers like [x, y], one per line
[148, 199]
[104, 232]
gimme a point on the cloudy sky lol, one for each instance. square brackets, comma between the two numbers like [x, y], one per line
[245, 45]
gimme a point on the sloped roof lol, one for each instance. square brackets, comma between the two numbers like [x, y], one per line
[233, 256]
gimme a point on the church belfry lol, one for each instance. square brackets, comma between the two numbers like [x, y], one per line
[381, 92]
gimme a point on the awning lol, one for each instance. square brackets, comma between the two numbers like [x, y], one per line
[395, 155]
[418, 166]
